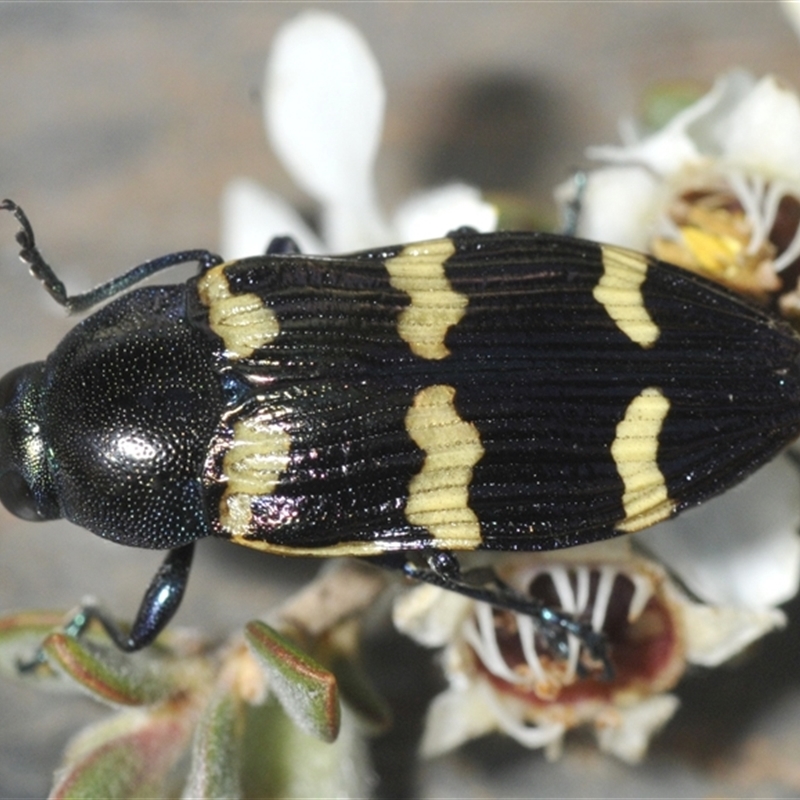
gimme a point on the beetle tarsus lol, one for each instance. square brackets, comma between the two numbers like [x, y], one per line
[572, 211]
[76, 627]
[445, 565]
[483, 585]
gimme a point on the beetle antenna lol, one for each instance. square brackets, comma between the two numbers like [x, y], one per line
[40, 269]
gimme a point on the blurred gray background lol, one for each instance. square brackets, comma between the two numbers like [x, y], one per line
[119, 126]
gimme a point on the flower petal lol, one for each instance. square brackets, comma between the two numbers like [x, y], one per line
[430, 615]
[728, 91]
[511, 722]
[627, 732]
[324, 115]
[762, 135]
[354, 224]
[253, 216]
[741, 549]
[791, 8]
[432, 214]
[455, 716]
[680, 142]
[617, 205]
[130, 755]
[715, 634]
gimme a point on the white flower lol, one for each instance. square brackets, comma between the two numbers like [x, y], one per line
[324, 101]
[742, 548]
[504, 677]
[792, 10]
[716, 190]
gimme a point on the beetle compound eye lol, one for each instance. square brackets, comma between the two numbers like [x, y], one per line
[25, 488]
[17, 497]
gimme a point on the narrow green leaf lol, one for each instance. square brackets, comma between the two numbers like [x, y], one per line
[21, 636]
[134, 755]
[107, 674]
[306, 690]
[216, 754]
[282, 761]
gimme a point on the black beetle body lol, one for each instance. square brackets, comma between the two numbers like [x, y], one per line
[509, 391]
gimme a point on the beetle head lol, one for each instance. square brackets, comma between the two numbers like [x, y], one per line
[26, 487]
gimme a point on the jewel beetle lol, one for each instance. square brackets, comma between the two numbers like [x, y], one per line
[502, 391]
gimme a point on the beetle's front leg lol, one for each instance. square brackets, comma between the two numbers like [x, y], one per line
[158, 606]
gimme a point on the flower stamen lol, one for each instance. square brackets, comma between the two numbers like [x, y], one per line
[605, 585]
[527, 637]
[722, 228]
[643, 590]
[483, 641]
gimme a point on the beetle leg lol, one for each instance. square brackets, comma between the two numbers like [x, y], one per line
[162, 598]
[283, 246]
[572, 210]
[40, 269]
[160, 602]
[158, 606]
[443, 569]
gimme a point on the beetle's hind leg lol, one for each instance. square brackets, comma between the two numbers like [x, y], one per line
[158, 606]
[442, 568]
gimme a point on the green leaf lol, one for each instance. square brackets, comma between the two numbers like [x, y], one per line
[281, 761]
[216, 754]
[21, 635]
[306, 690]
[133, 755]
[664, 100]
[108, 674]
